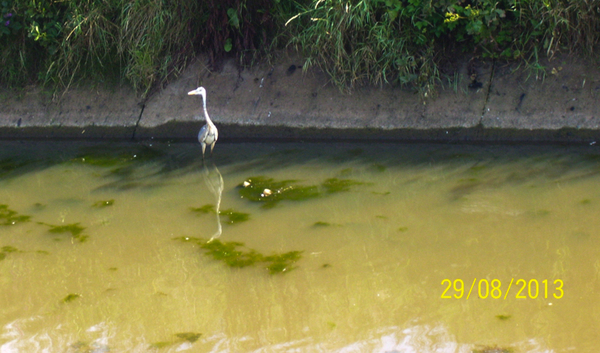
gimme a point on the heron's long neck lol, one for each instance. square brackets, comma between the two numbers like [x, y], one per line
[208, 121]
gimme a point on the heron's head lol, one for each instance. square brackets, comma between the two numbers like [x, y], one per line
[200, 91]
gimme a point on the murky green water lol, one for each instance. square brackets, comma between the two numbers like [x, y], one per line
[299, 247]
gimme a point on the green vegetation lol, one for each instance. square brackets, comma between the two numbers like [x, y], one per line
[233, 254]
[204, 209]
[9, 217]
[146, 42]
[321, 224]
[75, 229]
[71, 297]
[7, 250]
[116, 157]
[180, 337]
[233, 216]
[270, 192]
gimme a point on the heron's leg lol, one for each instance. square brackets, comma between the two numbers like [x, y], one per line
[212, 146]
[203, 148]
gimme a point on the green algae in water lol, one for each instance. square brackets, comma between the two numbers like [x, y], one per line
[188, 336]
[191, 337]
[503, 317]
[234, 254]
[75, 229]
[233, 216]
[402, 229]
[106, 156]
[204, 209]
[8, 249]
[334, 185]
[282, 262]
[69, 298]
[9, 217]
[229, 253]
[163, 344]
[104, 203]
[271, 192]
[321, 224]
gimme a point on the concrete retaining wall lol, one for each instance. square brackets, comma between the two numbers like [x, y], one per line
[486, 101]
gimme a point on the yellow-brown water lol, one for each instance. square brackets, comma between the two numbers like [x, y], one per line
[113, 256]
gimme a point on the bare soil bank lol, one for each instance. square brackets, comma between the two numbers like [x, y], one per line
[485, 102]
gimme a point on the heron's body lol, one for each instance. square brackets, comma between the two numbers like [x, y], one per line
[209, 134]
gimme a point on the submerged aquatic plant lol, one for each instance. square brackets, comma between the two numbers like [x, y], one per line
[106, 156]
[6, 250]
[71, 297]
[204, 209]
[74, 228]
[9, 217]
[321, 224]
[270, 191]
[233, 216]
[334, 185]
[188, 336]
[181, 337]
[235, 254]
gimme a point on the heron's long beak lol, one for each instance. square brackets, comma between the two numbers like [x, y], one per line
[193, 93]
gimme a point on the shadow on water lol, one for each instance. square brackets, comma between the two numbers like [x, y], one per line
[122, 164]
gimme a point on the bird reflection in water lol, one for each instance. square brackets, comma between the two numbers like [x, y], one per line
[214, 182]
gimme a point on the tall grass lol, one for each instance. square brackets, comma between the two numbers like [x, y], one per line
[140, 41]
[404, 41]
[367, 41]
[146, 42]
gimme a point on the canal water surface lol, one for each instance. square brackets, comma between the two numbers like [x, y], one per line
[299, 247]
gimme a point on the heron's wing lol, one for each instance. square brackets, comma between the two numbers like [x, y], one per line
[202, 134]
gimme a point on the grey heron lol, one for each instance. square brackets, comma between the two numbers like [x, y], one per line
[209, 134]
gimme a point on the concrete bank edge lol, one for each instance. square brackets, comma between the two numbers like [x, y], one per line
[488, 102]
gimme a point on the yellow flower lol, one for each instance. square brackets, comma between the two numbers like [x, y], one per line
[451, 17]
